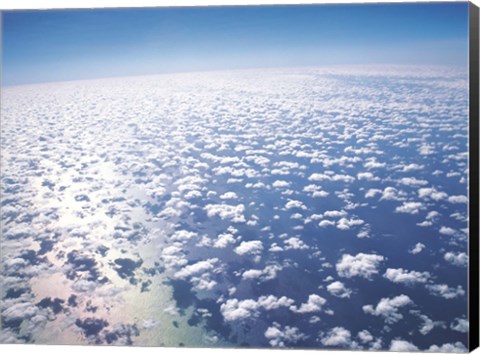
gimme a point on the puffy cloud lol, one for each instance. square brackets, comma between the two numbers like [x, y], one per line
[234, 309]
[412, 181]
[443, 290]
[268, 273]
[444, 230]
[281, 184]
[338, 289]
[417, 249]
[388, 308]
[280, 337]
[390, 193]
[399, 345]
[457, 347]
[195, 268]
[254, 247]
[226, 212]
[318, 177]
[368, 176]
[272, 302]
[183, 235]
[337, 337]
[20, 310]
[460, 325]
[371, 193]
[295, 204]
[223, 240]
[314, 304]
[427, 324]
[400, 275]
[334, 213]
[409, 208]
[432, 215]
[365, 336]
[431, 193]
[346, 224]
[295, 243]
[412, 167]
[373, 163]
[458, 199]
[326, 223]
[364, 233]
[426, 149]
[229, 195]
[459, 259]
[275, 248]
[361, 265]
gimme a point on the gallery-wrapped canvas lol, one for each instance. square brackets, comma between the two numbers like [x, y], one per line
[301, 176]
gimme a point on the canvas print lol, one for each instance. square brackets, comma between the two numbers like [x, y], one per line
[245, 176]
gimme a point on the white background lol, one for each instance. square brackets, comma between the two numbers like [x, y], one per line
[48, 4]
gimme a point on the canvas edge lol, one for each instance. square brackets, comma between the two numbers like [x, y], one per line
[473, 340]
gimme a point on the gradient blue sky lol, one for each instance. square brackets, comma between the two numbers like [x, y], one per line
[56, 45]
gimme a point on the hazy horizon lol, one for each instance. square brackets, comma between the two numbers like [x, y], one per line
[67, 45]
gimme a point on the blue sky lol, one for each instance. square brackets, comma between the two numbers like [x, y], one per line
[57, 45]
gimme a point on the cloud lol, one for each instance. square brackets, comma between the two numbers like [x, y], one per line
[318, 177]
[234, 309]
[399, 345]
[419, 247]
[346, 224]
[199, 267]
[444, 230]
[406, 277]
[268, 273]
[295, 204]
[365, 336]
[280, 184]
[460, 325]
[315, 191]
[443, 290]
[431, 193]
[183, 235]
[412, 167]
[412, 181]
[229, 195]
[223, 240]
[280, 337]
[254, 247]
[458, 199]
[428, 325]
[390, 193]
[337, 337]
[361, 265]
[409, 208]
[338, 289]
[457, 347]
[334, 213]
[432, 215]
[314, 304]
[294, 243]
[371, 193]
[226, 212]
[367, 176]
[388, 308]
[426, 149]
[458, 259]
[326, 223]
[373, 163]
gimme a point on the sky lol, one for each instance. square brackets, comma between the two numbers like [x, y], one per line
[58, 45]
